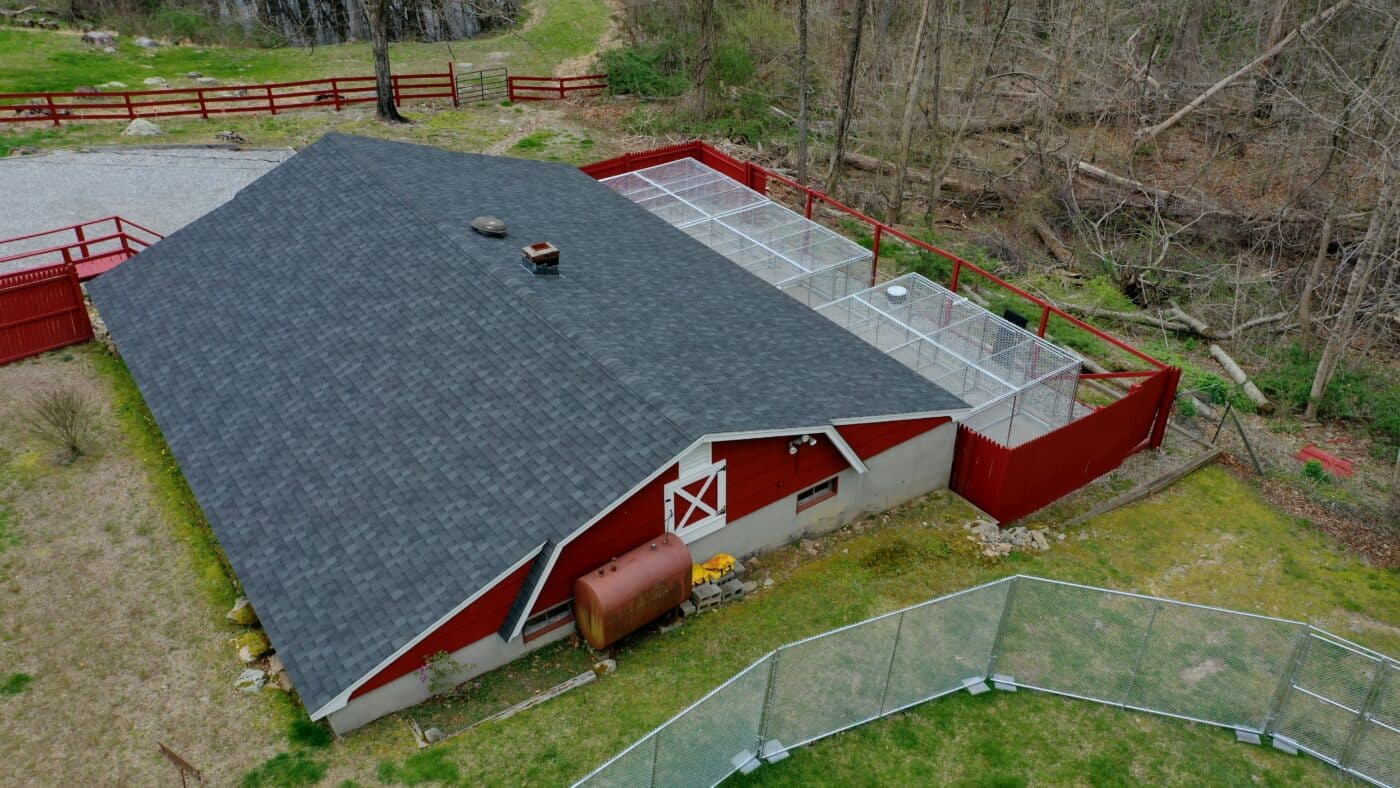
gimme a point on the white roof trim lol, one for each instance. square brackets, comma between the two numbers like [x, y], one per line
[955, 414]
[338, 702]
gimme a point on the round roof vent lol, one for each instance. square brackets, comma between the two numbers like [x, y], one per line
[489, 225]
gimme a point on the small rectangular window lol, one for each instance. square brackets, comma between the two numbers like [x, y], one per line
[814, 495]
[543, 623]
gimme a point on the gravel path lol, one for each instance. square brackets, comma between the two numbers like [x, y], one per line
[161, 188]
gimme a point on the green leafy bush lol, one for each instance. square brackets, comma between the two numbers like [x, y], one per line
[304, 732]
[733, 64]
[1359, 393]
[653, 70]
[286, 769]
[1313, 470]
[428, 766]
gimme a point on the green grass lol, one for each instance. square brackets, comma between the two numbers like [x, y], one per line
[285, 770]
[1193, 542]
[303, 732]
[15, 683]
[430, 766]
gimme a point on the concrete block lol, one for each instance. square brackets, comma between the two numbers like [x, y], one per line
[1003, 682]
[688, 609]
[731, 589]
[773, 751]
[745, 761]
[739, 570]
[1285, 744]
[1246, 737]
[976, 686]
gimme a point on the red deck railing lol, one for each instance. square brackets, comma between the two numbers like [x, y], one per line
[92, 248]
[553, 88]
[205, 102]
[1006, 482]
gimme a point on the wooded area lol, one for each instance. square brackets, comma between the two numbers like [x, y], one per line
[1228, 167]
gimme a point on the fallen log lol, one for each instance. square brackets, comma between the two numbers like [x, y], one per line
[1255, 323]
[1150, 488]
[1196, 325]
[1052, 242]
[1236, 374]
[871, 164]
[1128, 317]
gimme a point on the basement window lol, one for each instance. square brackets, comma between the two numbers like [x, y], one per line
[542, 624]
[814, 495]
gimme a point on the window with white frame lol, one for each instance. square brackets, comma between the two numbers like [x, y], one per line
[695, 502]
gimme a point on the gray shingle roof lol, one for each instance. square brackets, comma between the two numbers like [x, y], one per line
[381, 411]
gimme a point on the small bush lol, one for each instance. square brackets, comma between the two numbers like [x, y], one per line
[286, 770]
[650, 71]
[304, 732]
[733, 64]
[15, 683]
[63, 417]
[1358, 393]
[1313, 470]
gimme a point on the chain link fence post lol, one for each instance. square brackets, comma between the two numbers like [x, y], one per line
[889, 671]
[1384, 671]
[1141, 657]
[655, 755]
[1300, 653]
[767, 703]
[1001, 626]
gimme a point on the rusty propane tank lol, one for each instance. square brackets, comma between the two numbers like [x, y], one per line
[632, 590]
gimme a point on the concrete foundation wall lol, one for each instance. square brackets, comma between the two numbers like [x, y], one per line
[912, 468]
[900, 474]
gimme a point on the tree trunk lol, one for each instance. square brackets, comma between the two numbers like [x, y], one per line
[1267, 81]
[848, 87]
[936, 96]
[974, 84]
[802, 91]
[1375, 248]
[705, 55]
[1149, 134]
[917, 61]
[378, 18]
[1305, 301]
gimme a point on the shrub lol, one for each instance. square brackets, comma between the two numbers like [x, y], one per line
[651, 71]
[1313, 470]
[15, 683]
[1358, 392]
[63, 417]
[286, 769]
[734, 64]
[428, 766]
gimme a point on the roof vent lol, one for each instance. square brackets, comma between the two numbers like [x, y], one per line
[541, 259]
[489, 225]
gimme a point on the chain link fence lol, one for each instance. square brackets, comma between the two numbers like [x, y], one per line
[1304, 689]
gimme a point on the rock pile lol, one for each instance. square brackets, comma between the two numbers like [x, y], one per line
[997, 542]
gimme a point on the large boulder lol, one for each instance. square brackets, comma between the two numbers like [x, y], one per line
[252, 646]
[250, 681]
[242, 613]
[142, 128]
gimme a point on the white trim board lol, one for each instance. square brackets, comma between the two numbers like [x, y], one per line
[339, 701]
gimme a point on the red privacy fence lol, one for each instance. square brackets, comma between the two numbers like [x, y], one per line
[204, 102]
[548, 88]
[1006, 482]
[41, 309]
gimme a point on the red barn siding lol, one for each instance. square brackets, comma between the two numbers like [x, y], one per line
[639, 518]
[868, 440]
[480, 619]
[761, 471]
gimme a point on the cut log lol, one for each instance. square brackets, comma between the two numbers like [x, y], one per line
[1236, 374]
[1128, 317]
[871, 164]
[1255, 323]
[1195, 324]
[1052, 242]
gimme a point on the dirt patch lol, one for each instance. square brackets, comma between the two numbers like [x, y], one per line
[98, 605]
[1197, 673]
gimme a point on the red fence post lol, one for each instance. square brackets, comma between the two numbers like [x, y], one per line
[957, 272]
[875, 261]
[452, 78]
[271, 105]
[1044, 321]
[203, 109]
[1164, 407]
[53, 110]
[82, 247]
[394, 85]
[561, 87]
[130, 110]
[809, 204]
[335, 93]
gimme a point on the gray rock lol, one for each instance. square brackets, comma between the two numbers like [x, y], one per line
[155, 82]
[241, 613]
[146, 42]
[100, 38]
[250, 680]
[109, 50]
[114, 85]
[193, 74]
[434, 735]
[142, 128]
[205, 81]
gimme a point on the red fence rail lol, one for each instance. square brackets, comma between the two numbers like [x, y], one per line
[41, 309]
[1006, 482]
[553, 88]
[205, 102]
[91, 248]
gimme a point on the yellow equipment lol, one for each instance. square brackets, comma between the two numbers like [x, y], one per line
[713, 569]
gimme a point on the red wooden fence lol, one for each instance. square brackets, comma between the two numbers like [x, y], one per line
[553, 88]
[41, 309]
[1011, 482]
[204, 102]
[92, 248]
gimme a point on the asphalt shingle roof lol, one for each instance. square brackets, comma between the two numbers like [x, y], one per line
[380, 411]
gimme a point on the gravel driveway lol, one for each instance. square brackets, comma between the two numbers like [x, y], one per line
[161, 188]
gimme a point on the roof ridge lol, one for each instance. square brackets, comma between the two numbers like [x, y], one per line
[515, 301]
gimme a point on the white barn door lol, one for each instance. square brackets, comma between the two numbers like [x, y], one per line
[695, 502]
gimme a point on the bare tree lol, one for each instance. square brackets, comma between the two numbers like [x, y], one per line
[62, 417]
[848, 86]
[802, 91]
[917, 66]
[705, 54]
[377, 15]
